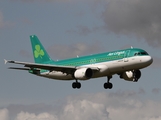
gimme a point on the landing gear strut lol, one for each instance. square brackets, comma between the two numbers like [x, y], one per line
[76, 85]
[137, 75]
[108, 85]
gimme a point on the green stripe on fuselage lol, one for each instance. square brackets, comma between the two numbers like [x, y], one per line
[102, 57]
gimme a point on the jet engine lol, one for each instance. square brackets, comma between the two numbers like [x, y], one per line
[34, 71]
[131, 75]
[83, 73]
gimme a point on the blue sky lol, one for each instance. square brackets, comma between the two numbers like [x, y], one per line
[68, 28]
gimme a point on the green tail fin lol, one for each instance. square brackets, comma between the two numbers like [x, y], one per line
[39, 53]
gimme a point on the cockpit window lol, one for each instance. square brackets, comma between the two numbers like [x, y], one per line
[144, 53]
[141, 53]
[135, 54]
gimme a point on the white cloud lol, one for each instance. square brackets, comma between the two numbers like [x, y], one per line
[84, 110]
[118, 105]
[32, 116]
[135, 110]
[4, 114]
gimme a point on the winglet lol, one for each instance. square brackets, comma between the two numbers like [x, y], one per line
[5, 61]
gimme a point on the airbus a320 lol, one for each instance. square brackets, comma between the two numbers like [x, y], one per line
[126, 63]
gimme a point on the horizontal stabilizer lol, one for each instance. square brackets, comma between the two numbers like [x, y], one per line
[5, 61]
[19, 68]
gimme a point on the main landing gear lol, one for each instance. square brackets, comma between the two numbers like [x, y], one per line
[76, 85]
[108, 85]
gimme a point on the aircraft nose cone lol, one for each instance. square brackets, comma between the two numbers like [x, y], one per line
[148, 60]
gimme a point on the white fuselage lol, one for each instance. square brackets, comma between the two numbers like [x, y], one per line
[106, 68]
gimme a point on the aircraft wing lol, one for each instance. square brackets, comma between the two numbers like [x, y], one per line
[66, 69]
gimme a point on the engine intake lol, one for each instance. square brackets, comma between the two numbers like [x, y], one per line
[83, 73]
[36, 72]
[130, 75]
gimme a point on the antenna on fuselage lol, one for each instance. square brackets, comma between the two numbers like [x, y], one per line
[131, 47]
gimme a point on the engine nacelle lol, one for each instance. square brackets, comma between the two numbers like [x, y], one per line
[129, 75]
[36, 72]
[83, 73]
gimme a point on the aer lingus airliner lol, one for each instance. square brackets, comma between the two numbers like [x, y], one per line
[126, 63]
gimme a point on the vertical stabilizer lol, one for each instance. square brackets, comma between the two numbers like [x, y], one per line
[39, 53]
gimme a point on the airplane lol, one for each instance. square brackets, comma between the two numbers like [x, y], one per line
[126, 63]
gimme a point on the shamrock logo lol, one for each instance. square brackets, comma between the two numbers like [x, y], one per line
[38, 52]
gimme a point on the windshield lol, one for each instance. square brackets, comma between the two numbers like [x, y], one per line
[141, 53]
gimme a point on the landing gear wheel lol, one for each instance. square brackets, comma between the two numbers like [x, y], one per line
[76, 85]
[105, 85]
[108, 85]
